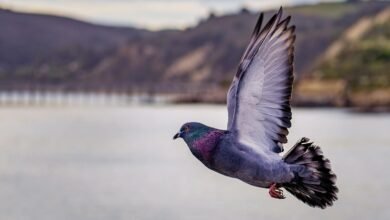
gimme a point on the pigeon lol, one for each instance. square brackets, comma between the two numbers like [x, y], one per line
[259, 115]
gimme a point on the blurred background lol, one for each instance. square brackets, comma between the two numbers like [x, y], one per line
[92, 91]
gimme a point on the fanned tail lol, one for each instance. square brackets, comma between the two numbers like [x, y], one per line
[314, 182]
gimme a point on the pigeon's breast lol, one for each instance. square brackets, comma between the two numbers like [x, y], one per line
[203, 148]
[227, 159]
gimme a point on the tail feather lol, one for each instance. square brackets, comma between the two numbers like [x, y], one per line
[314, 182]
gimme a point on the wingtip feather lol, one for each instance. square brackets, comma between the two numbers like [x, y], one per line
[259, 23]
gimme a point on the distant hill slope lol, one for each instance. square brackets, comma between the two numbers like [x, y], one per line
[45, 47]
[360, 71]
[61, 53]
[209, 53]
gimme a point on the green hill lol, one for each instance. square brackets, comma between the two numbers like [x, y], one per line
[363, 65]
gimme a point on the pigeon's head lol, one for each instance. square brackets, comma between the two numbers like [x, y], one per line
[191, 131]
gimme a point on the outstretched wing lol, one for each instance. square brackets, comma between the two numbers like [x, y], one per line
[259, 96]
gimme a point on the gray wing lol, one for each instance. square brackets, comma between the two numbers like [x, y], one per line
[259, 96]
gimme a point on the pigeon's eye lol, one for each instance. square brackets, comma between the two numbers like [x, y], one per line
[186, 128]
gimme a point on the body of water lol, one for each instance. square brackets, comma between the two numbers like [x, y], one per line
[117, 163]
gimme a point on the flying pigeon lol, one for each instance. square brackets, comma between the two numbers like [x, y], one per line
[259, 115]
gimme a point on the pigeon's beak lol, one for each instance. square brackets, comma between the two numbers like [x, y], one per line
[177, 135]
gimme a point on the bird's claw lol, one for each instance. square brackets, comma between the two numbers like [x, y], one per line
[276, 192]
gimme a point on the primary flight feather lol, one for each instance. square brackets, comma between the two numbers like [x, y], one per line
[259, 117]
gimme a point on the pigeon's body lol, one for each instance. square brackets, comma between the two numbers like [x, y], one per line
[259, 117]
[214, 150]
[255, 168]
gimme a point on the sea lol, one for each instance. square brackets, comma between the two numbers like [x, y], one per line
[100, 162]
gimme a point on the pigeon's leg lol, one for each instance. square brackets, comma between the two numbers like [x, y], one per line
[276, 192]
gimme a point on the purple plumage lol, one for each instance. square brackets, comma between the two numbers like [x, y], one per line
[206, 144]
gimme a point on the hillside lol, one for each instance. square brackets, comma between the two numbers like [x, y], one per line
[47, 49]
[360, 68]
[354, 71]
[208, 54]
[49, 52]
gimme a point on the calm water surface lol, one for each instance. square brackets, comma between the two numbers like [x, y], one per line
[121, 163]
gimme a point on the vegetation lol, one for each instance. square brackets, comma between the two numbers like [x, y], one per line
[332, 9]
[364, 65]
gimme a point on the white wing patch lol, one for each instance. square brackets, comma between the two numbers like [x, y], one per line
[259, 97]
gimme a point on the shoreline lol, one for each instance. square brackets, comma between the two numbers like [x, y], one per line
[362, 103]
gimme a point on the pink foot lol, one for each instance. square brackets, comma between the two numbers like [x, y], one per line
[276, 192]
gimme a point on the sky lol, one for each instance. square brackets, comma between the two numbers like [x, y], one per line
[150, 14]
